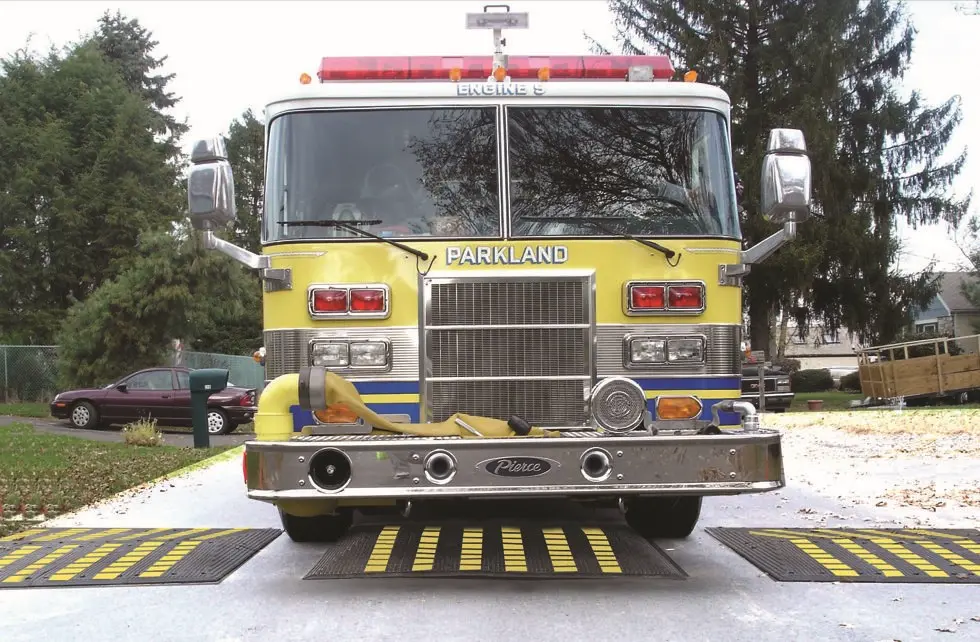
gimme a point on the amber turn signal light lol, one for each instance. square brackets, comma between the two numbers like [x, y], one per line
[678, 407]
[337, 413]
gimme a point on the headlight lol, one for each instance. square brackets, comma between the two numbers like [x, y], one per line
[685, 350]
[647, 350]
[369, 353]
[331, 355]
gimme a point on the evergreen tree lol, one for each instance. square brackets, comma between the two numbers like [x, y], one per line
[246, 153]
[130, 46]
[830, 68]
[82, 178]
[175, 288]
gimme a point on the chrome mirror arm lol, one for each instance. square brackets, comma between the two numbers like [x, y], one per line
[274, 278]
[731, 274]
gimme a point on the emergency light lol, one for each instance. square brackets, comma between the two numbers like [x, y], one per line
[481, 67]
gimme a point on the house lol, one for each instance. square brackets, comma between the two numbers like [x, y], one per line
[822, 349]
[950, 312]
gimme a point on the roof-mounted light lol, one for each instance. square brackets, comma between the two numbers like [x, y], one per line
[658, 68]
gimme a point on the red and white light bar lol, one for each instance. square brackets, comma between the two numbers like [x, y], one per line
[370, 301]
[668, 297]
[481, 67]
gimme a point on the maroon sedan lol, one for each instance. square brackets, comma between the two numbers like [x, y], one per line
[159, 393]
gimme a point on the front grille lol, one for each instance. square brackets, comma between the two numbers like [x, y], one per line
[518, 302]
[508, 352]
[509, 346]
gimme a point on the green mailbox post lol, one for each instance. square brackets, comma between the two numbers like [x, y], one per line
[204, 383]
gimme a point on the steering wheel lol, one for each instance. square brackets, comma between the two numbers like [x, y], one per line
[381, 191]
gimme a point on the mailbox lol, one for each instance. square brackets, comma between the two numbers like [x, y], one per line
[209, 380]
[203, 384]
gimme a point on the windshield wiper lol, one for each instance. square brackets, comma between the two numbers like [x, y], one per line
[350, 227]
[591, 220]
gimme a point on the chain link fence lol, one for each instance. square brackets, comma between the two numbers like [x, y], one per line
[30, 373]
[242, 371]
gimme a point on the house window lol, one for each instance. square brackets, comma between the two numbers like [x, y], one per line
[922, 328]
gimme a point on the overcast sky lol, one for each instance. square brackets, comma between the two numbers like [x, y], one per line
[229, 56]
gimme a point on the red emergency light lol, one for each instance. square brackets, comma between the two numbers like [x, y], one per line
[480, 67]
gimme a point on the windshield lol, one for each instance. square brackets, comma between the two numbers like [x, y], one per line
[416, 172]
[637, 170]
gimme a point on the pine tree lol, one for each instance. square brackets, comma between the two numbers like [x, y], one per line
[246, 153]
[830, 68]
[130, 46]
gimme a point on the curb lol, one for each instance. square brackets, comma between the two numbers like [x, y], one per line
[127, 493]
[231, 453]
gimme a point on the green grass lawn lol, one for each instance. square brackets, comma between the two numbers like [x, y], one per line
[25, 409]
[51, 474]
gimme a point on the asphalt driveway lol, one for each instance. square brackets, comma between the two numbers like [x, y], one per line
[171, 436]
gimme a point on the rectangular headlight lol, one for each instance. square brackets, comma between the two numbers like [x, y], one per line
[688, 350]
[647, 350]
[369, 353]
[330, 355]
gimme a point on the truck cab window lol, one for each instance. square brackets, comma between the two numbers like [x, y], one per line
[428, 172]
[646, 171]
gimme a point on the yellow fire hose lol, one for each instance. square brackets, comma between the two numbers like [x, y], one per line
[274, 421]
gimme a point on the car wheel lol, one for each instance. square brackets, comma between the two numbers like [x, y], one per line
[84, 416]
[218, 423]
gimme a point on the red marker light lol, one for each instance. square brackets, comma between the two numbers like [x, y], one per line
[480, 67]
[647, 297]
[685, 297]
[367, 300]
[329, 300]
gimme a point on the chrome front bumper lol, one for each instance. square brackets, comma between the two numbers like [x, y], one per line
[395, 467]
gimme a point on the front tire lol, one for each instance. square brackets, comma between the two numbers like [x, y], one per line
[319, 528]
[664, 517]
[217, 422]
[84, 416]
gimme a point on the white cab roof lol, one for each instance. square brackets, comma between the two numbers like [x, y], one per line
[334, 94]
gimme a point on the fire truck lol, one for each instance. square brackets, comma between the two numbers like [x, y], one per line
[502, 276]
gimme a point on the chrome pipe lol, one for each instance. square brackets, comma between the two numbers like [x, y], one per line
[748, 413]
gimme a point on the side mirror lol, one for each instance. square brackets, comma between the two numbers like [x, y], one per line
[786, 178]
[121, 387]
[210, 185]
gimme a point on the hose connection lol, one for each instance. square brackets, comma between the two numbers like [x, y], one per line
[748, 413]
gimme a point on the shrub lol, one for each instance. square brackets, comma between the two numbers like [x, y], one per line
[143, 432]
[788, 366]
[812, 381]
[851, 382]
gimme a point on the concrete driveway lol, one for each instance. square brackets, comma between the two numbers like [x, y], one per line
[724, 599]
